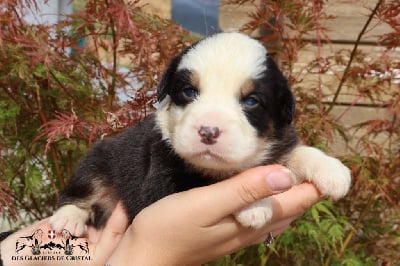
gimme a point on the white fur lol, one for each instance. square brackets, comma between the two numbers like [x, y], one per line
[222, 63]
[71, 218]
[237, 148]
[256, 214]
[332, 178]
[233, 56]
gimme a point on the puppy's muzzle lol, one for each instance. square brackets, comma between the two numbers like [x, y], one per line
[209, 135]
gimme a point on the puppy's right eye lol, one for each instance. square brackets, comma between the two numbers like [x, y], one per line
[190, 93]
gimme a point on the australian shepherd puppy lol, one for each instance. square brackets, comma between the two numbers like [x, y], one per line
[224, 107]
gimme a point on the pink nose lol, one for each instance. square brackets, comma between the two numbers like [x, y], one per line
[209, 135]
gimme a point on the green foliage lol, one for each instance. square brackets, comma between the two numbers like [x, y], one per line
[56, 98]
[363, 228]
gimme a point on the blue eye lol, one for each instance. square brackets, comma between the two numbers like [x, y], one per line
[250, 101]
[190, 92]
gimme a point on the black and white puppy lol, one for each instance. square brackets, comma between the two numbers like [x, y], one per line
[224, 107]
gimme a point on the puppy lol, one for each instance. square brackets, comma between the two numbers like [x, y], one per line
[224, 107]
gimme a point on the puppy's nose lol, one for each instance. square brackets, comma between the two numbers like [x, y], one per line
[209, 135]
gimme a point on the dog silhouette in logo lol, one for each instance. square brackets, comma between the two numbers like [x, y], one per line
[33, 241]
[71, 241]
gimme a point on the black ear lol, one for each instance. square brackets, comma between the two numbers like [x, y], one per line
[163, 87]
[288, 105]
[284, 99]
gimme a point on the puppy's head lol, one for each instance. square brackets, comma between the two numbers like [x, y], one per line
[224, 104]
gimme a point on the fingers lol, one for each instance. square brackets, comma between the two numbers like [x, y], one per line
[294, 201]
[287, 207]
[112, 233]
[116, 225]
[232, 236]
[274, 230]
[228, 196]
[228, 229]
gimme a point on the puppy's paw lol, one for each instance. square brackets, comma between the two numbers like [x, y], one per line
[332, 178]
[71, 218]
[255, 215]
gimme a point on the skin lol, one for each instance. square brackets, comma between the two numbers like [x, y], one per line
[191, 227]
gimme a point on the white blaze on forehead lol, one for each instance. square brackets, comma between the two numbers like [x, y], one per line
[222, 66]
[225, 60]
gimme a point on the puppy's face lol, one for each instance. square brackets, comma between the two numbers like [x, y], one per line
[224, 104]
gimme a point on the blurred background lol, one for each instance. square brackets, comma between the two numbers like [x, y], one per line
[72, 72]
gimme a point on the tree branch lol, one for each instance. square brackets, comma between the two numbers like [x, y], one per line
[352, 55]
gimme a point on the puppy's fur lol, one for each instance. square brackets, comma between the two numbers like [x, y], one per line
[224, 107]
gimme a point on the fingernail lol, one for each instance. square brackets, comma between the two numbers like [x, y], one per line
[279, 181]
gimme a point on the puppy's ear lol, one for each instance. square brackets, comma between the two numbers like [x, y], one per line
[164, 87]
[284, 98]
[288, 105]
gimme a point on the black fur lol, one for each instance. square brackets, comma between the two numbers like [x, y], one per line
[139, 167]
[274, 115]
[180, 81]
[169, 76]
[277, 105]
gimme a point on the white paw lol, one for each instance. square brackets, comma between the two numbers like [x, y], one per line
[255, 215]
[332, 178]
[71, 218]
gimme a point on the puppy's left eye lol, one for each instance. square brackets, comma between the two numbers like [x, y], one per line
[250, 101]
[190, 93]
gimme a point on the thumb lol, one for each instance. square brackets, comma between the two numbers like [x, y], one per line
[112, 233]
[230, 195]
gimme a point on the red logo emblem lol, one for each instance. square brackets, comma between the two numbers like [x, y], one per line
[52, 234]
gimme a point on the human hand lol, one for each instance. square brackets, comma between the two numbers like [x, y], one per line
[197, 226]
[191, 227]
